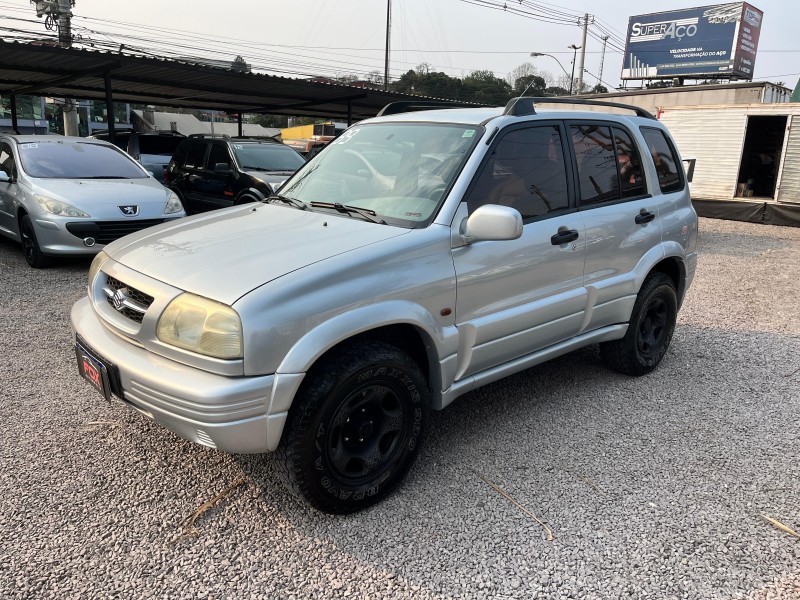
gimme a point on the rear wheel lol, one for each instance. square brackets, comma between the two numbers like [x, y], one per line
[355, 428]
[30, 245]
[650, 330]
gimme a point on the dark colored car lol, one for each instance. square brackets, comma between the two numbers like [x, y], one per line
[153, 149]
[210, 172]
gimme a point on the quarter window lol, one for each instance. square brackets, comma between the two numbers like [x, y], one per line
[526, 171]
[664, 158]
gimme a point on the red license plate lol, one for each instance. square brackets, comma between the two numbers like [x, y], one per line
[93, 370]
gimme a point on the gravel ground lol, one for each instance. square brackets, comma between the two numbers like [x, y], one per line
[653, 488]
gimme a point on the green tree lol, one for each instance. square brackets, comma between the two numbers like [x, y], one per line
[530, 85]
[556, 90]
[599, 89]
[484, 88]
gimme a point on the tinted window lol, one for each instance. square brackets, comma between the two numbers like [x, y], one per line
[526, 171]
[267, 157]
[218, 154]
[195, 156]
[665, 159]
[629, 164]
[77, 161]
[153, 144]
[609, 165]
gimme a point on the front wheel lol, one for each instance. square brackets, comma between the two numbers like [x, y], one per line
[650, 330]
[355, 428]
[30, 245]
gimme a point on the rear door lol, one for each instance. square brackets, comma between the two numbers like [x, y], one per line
[518, 296]
[621, 215]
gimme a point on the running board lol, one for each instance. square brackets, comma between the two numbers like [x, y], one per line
[606, 334]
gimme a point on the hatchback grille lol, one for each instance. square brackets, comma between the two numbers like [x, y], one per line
[135, 302]
[105, 232]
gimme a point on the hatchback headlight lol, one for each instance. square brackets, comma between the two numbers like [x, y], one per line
[173, 203]
[56, 207]
[201, 325]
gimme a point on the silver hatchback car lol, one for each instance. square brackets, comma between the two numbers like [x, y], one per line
[72, 196]
[419, 256]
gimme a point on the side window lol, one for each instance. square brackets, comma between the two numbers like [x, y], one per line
[7, 160]
[526, 171]
[629, 164]
[597, 165]
[219, 154]
[195, 156]
[609, 165]
[664, 158]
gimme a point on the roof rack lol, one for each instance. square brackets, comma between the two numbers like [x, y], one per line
[414, 105]
[526, 105]
[222, 136]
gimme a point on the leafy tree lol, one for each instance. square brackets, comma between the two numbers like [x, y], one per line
[599, 89]
[484, 88]
[556, 90]
[530, 85]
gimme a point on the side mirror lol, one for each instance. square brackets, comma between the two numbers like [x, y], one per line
[690, 162]
[493, 222]
[5, 177]
[222, 169]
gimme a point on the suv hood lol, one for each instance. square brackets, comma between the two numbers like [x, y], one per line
[225, 254]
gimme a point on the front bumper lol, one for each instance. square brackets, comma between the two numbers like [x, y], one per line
[227, 413]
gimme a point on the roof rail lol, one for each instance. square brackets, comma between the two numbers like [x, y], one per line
[222, 136]
[525, 105]
[414, 105]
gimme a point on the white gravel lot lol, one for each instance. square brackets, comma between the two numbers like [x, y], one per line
[653, 488]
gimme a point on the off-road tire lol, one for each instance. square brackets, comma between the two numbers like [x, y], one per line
[649, 331]
[355, 428]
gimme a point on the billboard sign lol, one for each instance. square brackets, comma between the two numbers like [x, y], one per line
[708, 41]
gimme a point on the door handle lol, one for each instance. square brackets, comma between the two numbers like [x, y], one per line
[644, 216]
[564, 237]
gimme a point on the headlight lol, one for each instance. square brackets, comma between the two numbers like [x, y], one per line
[98, 261]
[203, 326]
[56, 207]
[173, 203]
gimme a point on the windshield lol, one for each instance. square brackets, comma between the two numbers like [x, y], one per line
[400, 171]
[267, 157]
[81, 160]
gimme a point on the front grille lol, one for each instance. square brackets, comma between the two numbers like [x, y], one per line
[137, 304]
[105, 232]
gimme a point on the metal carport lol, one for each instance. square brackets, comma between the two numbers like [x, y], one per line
[117, 77]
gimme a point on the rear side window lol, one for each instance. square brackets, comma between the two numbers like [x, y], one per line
[218, 155]
[525, 171]
[153, 144]
[665, 159]
[609, 165]
[195, 156]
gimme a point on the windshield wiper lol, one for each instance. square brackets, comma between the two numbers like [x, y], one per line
[104, 177]
[289, 201]
[367, 213]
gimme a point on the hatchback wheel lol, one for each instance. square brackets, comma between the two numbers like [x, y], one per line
[30, 245]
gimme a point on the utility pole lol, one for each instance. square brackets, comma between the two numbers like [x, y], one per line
[602, 60]
[388, 43]
[58, 15]
[583, 52]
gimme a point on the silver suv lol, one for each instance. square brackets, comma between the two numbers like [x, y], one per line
[420, 255]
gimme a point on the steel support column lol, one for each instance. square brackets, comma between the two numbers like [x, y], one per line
[239, 120]
[109, 107]
[14, 124]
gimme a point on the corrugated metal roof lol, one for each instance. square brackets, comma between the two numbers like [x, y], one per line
[77, 73]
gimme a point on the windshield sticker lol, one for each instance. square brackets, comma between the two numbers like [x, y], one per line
[238, 146]
[346, 136]
[26, 146]
[468, 133]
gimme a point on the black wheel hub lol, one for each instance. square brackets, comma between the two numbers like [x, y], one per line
[653, 327]
[28, 243]
[366, 433]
